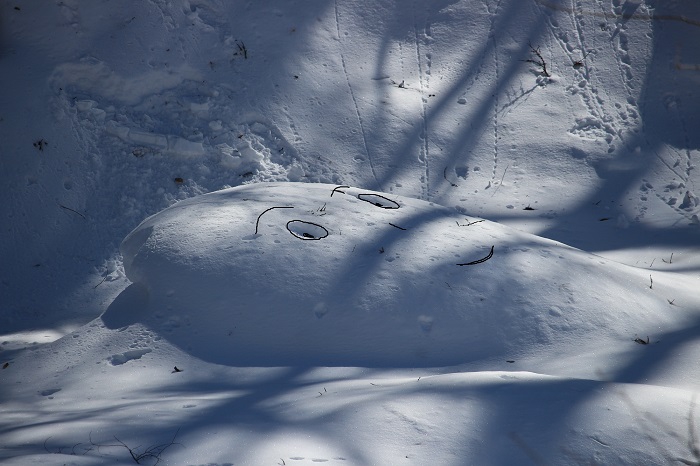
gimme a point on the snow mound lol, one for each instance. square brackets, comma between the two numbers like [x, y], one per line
[293, 273]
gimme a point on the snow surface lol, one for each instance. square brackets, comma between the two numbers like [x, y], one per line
[342, 276]
[323, 184]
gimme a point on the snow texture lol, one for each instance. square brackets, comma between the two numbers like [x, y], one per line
[349, 232]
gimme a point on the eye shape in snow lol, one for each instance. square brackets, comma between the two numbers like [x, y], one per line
[306, 230]
[379, 201]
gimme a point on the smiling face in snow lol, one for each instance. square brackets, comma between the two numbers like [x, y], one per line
[318, 274]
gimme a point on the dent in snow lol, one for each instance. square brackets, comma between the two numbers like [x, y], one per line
[123, 358]
[165, 143]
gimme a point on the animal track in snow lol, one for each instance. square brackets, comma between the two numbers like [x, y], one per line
[354, 99]
[186, 128]
[424, 81]
[493, 15]
[608, 119]
[675, 194]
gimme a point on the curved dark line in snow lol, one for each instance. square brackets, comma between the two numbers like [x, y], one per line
[378, 200]
[479, 261]
[267, 210]
[305, 235]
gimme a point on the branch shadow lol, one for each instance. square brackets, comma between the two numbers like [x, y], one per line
[125, 310]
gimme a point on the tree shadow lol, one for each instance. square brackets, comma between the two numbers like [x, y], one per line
[511, 407]
[251, 406]
[670, 106]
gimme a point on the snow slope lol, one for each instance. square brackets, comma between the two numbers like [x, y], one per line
[250, 299]
[369, 345]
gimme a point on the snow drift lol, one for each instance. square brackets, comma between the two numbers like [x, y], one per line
[318, 274]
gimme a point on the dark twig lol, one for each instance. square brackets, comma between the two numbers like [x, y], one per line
[539, 61]
[153, 452]
[74, 211]
[396, 226]
[40, 144]
[501, 183]
[267, 210]
[579, 63]
[489, 256]
[242, 50]
[337, 189]
[469, 223]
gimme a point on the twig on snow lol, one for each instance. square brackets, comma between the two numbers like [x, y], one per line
[242, 50]
[469, 223]
[337, 189]
[501, 183]
[153, 452]
[539, 61]
[74, 211]
[267, 210]
[484, 259]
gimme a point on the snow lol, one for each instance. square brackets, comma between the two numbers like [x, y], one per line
[349, 232]
[343, 276]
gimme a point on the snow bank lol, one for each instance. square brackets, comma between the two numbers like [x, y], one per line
[317, 274]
